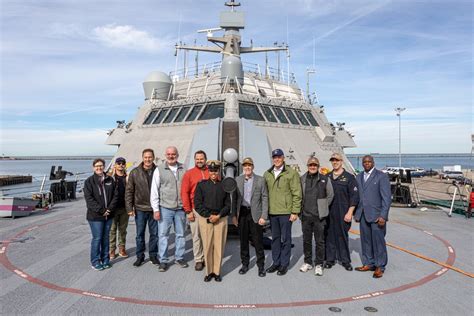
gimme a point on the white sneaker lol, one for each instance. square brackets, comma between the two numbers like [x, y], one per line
[318, 270]
[306, 267]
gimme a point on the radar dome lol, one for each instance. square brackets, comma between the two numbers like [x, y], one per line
[157, 85]
[231, 69]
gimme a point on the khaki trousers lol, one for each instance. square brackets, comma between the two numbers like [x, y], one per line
[214, 237]
[120, 222]
[197, 242]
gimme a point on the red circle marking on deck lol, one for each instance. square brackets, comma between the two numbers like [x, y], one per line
[8, 265]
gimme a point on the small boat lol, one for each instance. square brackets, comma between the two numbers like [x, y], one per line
[16, 206]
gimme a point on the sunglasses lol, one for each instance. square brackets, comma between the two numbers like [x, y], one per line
[120, 163]
[99, 166]
[313, 165]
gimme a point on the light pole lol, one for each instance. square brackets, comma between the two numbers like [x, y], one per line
[399, 114]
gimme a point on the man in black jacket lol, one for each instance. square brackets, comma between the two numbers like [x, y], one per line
[137, 203]
[100, 193]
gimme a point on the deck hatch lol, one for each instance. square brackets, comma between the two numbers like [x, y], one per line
[250, 112]
[212, 111]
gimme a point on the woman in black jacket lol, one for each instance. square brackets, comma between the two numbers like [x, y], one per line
[100, 193]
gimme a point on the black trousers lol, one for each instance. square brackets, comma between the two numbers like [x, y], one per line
[313, 226]
[337, 241]
[249, 229]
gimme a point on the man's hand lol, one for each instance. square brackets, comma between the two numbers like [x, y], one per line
[293, 217]
[235, 221]
[190, 216]
[107, 213]
[348, 217]
[131, 213]
[261, 221]
[214, 218]
[381, 221]
[157, 215]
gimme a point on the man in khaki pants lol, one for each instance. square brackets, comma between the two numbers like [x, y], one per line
[188, 186]
[213, 204]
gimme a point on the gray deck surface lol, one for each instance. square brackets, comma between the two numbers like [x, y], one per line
[58, 253]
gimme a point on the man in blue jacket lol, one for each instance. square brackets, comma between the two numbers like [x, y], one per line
[372, 213]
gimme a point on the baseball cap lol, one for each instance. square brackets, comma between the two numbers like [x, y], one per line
[120, 160]
[335, 156]
[277, 152]
[247, 161]
[312, 160]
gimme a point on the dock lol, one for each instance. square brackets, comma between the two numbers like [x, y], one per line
[11, 180]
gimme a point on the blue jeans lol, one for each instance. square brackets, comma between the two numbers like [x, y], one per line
[141, 220]
[100, 241]
[281, 239]
[177, 218]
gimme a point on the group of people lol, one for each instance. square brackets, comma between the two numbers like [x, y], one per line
[167, 195]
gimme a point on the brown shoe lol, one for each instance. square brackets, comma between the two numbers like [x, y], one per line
[122, 253]
[112, 254]
[378, 273]
[199, 266]
[365, 268]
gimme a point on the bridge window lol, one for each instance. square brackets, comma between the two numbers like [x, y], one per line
[280, 115]
[194, 113]
[182, 114]
[301, 117]
[212, 111]
[150, 117]
[171, 115]
[250, 112]
[311, 118]
[160, 116]
[291, 117]
[268, 114]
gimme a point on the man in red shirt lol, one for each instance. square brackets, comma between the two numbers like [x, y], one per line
[190, 180]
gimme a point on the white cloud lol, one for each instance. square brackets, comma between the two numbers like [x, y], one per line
[128, 37]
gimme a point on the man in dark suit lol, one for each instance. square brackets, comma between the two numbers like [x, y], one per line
[250, 214]
[372, 213]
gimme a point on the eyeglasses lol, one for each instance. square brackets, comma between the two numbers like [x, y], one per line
[99, 166]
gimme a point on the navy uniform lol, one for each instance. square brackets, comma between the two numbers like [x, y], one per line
[337, 241]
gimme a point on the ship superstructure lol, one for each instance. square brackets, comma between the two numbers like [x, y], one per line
[230, 104]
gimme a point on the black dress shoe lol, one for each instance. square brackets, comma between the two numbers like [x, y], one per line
[282, 270]
[244, 269]
[155, 261]
[347, 266]
[261, 272]
[328, 265]
[218, 278]
[139, 262]
[209, 277]
[273, 268]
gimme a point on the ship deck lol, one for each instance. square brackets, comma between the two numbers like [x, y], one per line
[44, 269]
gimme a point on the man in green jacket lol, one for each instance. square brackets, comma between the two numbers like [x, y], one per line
[284, 199]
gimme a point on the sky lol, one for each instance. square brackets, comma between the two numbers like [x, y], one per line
[71, 69]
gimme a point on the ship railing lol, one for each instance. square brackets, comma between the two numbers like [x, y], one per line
[263, 73]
